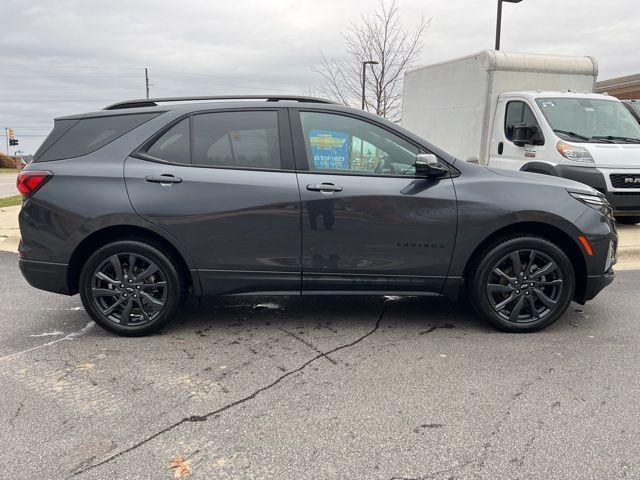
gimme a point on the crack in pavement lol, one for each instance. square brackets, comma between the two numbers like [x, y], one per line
[13, 419]
[205, 417]
[480, 457]
[431, 328]
[308, 344]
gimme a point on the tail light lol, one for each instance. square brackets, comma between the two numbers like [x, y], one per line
[29, 182]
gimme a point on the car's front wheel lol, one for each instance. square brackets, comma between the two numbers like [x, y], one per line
[130, 288]
[522, 284]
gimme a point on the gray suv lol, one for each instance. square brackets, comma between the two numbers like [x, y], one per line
[147, 201]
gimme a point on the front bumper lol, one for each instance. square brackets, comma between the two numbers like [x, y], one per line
[48, 276]
[595, 284]
[624, 202]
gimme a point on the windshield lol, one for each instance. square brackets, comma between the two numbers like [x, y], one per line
[635, 107]
[585, 119]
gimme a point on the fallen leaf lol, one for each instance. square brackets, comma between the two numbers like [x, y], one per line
[221, 462]
[179, 464]
[85, 366]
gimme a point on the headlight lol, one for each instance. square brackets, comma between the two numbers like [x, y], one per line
[596, 202]
[574, 152]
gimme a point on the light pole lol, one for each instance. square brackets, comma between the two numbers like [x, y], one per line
[499, 21]
[364, 75]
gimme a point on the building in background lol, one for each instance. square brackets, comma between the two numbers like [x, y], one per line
[624, 88]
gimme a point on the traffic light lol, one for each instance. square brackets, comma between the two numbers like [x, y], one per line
[12, 137]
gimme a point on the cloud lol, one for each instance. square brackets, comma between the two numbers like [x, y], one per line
[69, 56]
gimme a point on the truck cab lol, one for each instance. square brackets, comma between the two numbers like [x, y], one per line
[532, 113]
[587, 137]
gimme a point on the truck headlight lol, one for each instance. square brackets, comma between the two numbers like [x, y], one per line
[597, 202]
[574, 152]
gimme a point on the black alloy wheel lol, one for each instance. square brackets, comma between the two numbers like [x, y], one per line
[131, 288]
[525, 286]
[522, 284]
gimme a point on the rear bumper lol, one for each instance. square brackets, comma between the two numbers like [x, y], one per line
[51, 277]
[595, 284]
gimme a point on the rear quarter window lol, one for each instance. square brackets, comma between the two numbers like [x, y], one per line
[87, 135]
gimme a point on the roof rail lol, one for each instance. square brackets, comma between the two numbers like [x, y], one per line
[152, 102]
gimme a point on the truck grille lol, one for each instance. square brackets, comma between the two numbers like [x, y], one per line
[622, 180]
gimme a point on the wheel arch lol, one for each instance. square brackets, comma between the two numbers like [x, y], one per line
[546, 231]
[109, 234]
[540, 167]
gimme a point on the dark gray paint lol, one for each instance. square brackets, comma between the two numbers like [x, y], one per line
[243, 231]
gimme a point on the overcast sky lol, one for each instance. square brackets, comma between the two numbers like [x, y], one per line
[62, 57]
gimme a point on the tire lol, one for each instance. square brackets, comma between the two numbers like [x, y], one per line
[628, 220]
[505, 299]
[154, 293]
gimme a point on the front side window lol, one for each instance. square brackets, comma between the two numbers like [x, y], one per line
[173, 145]
[236, 140]
[341, 144]
[589, 119]
[518, 113]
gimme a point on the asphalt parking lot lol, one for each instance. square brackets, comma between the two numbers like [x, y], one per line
[330, 388]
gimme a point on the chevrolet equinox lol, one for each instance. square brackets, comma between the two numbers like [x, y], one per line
[140, 204]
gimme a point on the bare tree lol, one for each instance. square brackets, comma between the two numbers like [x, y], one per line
[380, 37]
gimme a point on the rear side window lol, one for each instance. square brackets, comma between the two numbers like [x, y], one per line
[89, 134]
[173, 145]
[236, 139]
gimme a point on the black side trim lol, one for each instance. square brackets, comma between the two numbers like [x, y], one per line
[232, 282]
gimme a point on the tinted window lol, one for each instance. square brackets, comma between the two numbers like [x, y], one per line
[90, 134]
[518, 112]
[173, 145]
[337, 143]
[236, 139]
[60, 127]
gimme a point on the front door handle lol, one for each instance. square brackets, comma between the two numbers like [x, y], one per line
[324, 188]
[164, 179]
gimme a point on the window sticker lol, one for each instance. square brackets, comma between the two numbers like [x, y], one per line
[548, 103]
[329, 150]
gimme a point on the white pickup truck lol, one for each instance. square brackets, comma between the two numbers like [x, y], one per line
[529, 112]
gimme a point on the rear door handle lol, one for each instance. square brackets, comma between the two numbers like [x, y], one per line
[324, 187]
[165, 179]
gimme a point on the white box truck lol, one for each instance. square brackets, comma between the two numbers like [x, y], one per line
[529, 112]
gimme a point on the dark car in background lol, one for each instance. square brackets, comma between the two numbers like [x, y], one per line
[140, 204]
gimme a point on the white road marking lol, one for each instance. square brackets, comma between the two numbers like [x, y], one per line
[71, 336]
[47, 334]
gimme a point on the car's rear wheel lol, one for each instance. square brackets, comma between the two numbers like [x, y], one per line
[522, 284]
[130, 288]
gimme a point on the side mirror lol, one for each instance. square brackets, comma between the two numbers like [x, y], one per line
[428, 164]
[525, 135]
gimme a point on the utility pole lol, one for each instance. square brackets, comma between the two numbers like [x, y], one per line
[499, 20]
[364, 77]
[146, 80]
[6, 136]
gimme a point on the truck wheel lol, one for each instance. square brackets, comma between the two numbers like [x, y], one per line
[628, 220]
[130, 288]
[522, 284]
